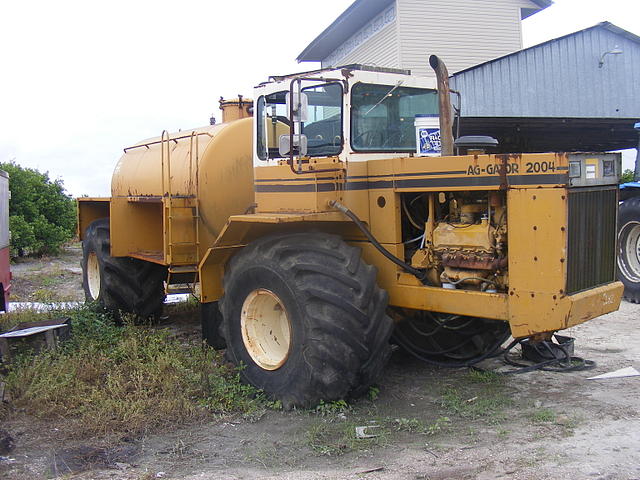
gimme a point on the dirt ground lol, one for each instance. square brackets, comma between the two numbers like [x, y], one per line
[48, 279]
[429, 423]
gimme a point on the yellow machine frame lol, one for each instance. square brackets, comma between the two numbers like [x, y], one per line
[164, 221]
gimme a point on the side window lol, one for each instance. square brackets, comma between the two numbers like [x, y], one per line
[323, 127]
[272, 122]
[260, 129]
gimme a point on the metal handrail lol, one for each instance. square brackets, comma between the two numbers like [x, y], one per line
[175, 139]
[195, 191]
[167, 192]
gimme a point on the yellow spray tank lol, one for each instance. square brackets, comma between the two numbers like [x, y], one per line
[170, 198]
[212, 164]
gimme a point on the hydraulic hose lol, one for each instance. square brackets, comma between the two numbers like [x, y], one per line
[363, 228]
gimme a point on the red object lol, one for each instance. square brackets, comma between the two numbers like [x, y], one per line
[5, 278]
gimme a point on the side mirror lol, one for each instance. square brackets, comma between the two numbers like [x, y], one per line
[299, 144]
[300, 106]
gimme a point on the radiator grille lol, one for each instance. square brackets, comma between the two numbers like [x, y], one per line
[591, 256]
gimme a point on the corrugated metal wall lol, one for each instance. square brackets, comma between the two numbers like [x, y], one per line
[558, 78]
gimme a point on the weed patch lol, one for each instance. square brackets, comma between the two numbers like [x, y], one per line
[485, 377]
[126, 379]
[331, 408]
[481, 404]
[543, 415]
[331, 439]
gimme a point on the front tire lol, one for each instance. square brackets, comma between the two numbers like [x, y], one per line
[629, 248]
[304, 318]
[119, 283]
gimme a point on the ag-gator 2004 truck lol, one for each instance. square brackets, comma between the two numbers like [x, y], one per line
[312, 232]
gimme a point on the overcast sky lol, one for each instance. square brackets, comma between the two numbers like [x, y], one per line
[83, 79]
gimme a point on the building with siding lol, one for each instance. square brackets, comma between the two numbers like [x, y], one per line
[569, 93]
[403, 33]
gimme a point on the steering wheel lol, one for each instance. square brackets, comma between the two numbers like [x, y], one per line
[395, 139]
[369, 138]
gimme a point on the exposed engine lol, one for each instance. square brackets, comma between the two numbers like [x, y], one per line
[459, 237]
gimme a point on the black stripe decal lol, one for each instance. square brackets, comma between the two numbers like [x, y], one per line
[308, 187]
[359, 177]
[542, 179]
[303, 178]
[470, 181]
[414, 174]
[448, 182]
[369, 185]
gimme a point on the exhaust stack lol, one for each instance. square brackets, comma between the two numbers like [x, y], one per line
[444, 103]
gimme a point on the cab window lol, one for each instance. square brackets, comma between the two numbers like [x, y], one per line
[323, 127]
[382, 116]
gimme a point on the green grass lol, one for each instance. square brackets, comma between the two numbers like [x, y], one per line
[485, 377]
[126, 379]
[543, 415]
[331, 408]
[487, 403]
[331, 439]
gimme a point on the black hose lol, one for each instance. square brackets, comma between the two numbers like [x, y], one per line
[421, 275]
[494, 351]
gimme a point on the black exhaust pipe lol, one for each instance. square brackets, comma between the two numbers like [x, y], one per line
[444, 103]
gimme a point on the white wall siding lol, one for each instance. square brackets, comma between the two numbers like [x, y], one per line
[381, 51]
[380, 48]
[462, 33]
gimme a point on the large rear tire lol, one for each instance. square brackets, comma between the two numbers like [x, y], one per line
[304, 318]
[211, 321]
[629, 248]
[119, 283]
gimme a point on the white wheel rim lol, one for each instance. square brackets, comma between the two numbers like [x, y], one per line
[93, 275]
[266, 330]
[629, 245]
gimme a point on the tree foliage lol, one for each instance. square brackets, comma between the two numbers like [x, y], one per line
[41, 215]
[627, 176]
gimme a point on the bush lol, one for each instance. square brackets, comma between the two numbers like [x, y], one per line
[41, 215]
[627, 176]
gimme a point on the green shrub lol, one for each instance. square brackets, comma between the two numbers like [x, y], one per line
[41, 215]
[627, 176]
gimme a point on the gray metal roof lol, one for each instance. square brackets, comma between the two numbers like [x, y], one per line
[354, 18]
[558, 78]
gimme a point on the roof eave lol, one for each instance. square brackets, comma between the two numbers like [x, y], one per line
[360, 10]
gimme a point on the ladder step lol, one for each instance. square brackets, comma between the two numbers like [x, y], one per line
[178, 289]
[182, 244]
[184, 269]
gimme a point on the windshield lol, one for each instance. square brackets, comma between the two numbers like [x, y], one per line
[323, 127]
[382, 116]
